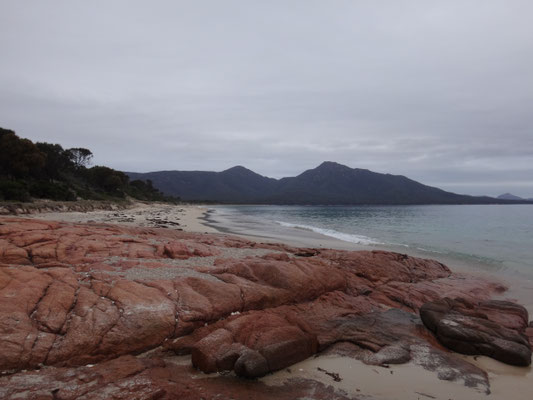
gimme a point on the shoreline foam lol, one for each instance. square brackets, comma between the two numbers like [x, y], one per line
[346, 237]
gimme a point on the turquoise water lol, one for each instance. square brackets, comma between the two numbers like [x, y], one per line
[500, 237]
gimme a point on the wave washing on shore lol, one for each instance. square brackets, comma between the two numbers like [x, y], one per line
[358, 239]
[351, 238]
[496, 237]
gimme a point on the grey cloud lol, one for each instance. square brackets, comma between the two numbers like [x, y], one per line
[439, 91]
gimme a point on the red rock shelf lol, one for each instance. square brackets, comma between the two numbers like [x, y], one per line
[79, 294]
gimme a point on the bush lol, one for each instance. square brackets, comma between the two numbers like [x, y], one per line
[21, 158]
[12, 190]
[52, 191]
[107, 179]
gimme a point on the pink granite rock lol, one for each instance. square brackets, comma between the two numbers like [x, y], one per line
[74, 294]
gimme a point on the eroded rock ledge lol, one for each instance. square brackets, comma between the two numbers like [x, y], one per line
[73, 295]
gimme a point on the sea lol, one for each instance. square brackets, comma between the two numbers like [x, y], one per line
[495, 238]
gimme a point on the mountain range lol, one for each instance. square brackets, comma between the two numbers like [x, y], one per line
[328, 184]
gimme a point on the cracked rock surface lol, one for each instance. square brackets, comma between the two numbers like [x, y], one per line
[80, 303]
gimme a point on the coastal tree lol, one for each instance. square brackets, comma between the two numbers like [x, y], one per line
[21, 158]
[108, 179]
[80, 156]
[58, 159]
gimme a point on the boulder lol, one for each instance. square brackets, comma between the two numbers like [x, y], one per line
[470, 328]
[251, 364]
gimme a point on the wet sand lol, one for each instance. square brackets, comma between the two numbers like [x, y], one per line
[408, 381]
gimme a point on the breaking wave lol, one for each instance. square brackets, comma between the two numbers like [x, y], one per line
[347, 237]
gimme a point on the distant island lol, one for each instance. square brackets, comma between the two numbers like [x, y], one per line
[328, 184]
[509, 196]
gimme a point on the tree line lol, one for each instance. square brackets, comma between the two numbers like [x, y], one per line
[48, 171]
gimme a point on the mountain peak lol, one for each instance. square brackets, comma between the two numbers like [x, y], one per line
[238, 169]
[332, 166]
[509, 196]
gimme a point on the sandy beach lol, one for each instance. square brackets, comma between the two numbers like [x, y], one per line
[355, 378]
[187, 218]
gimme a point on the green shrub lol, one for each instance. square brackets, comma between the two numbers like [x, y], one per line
[52, 191]
[12, 190]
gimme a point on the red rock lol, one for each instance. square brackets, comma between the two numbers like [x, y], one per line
[285, 346]
[21, 291]
[529, 334]
[279, 342]
[206, 300]
[11, 254]
[182, 250]
[52, 309]
[227, 356]
[505, 313]
[251, 364]
[74, 294]
[380, 267]
[465, 327]
[204, 353]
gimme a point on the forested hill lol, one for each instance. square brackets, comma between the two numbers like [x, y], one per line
[328, 184]
[48, 171]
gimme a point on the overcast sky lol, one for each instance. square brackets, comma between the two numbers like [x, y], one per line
[439, 91]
